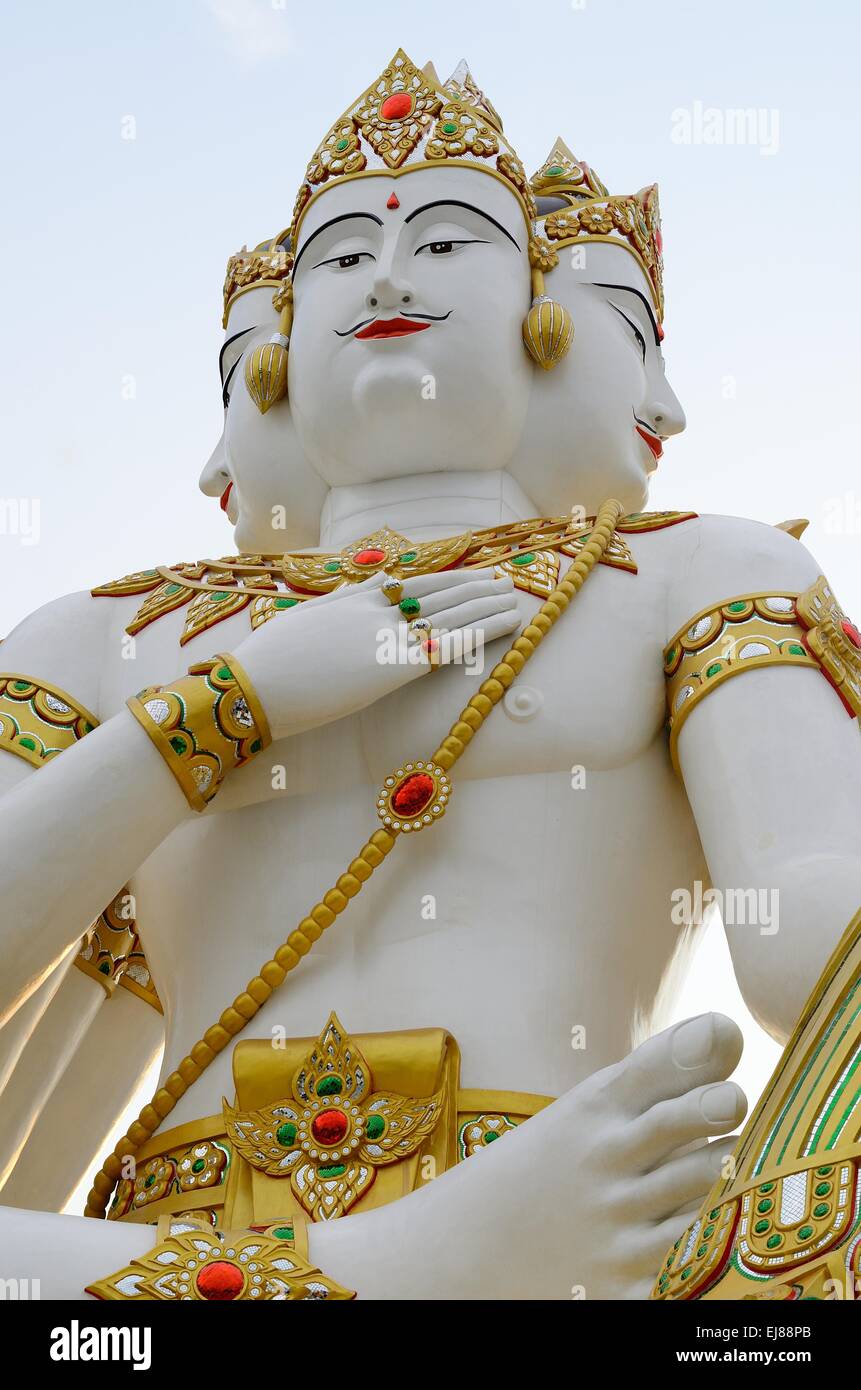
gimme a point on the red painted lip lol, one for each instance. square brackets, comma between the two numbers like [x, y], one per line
[225, 497]
[652, 440]
[391, 328]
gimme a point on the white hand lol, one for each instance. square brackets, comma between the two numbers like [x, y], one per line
[328, 658]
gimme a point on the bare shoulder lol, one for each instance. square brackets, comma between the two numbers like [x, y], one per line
[63, 644]
[719, 558]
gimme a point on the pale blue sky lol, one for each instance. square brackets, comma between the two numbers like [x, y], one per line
[113, 250]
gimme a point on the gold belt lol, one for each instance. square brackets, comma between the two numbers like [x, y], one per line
[322, 1127]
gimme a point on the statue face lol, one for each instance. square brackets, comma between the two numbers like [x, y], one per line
[598, 421]
[258, 471]
[406, 353]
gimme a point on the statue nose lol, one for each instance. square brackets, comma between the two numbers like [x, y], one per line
[389, 292]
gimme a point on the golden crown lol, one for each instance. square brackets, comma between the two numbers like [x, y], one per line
[407, 119]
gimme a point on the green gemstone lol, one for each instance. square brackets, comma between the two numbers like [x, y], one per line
[219, 597]
[286, 602]
[773, 1242]
[713, 669]
[523, 559]
[88, 728]
[761, 1227]
[821, 1209]
[172, 588]
[805, 1233]
[686, 1273]
[286, 1134]
[28, 743]
[796, 649]
[671, 655]
[826, 1171]
[708, 1232]
[765, 1205]
[822, 1189]
[105, 968]
[20, 685]
[713, 1215]
[554, 171]
[670, 1261]
[178, 745]
[449, 127]
[736, 607]
[198, 1165]
[703, 1250]
[148, 1182]
[342, 145]
[489, 1135]
[410, 607]
[224, 673]
[283, 1233]
[330, 1086]
[332, 566]
[335, 1170]
[767, 1187]
[407, 557]
[376, 1125]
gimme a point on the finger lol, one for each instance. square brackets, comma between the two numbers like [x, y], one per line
[472, 614]
[707, 1110]
[442, 600]
[688, 1055]
[682, 1181]
[420, 584]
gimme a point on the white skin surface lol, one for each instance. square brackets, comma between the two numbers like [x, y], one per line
[598, 939]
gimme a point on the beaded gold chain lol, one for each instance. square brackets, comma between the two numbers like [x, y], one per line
[370, 856]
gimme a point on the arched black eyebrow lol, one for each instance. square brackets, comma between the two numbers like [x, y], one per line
[456, 203]
[629, 289]
[225, 345]
[345, 217]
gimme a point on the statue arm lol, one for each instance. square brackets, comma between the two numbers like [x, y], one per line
[74, 834]
[771, 761]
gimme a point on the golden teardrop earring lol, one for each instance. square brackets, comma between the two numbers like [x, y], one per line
[548, 329]
[266, 368]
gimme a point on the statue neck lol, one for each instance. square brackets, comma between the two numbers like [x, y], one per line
[424, 507]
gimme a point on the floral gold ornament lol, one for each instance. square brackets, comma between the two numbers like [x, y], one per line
[266, 585]
[268, 264]
[112, 954]
[750, 631]
[548, 329]
[371, 855]
[194, 1263]
[787, 1223]
[37, 720]
[334, 1131]
[204, 725]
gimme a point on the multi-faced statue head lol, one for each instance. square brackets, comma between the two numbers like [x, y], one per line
[402, 324]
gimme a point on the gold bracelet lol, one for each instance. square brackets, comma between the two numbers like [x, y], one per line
[194, 1262]
[204, 725]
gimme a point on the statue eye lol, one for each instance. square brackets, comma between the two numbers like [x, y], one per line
[441, 248]
[347, 262]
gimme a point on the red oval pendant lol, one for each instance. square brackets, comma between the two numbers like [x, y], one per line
[369, 557]
[413, 794]
[396, 107]
[329, 1127]
[220, 1281]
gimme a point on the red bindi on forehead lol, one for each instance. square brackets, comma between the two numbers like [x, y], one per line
[393, 201]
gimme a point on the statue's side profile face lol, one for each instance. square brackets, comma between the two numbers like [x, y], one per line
[598, 422]
[406, 353]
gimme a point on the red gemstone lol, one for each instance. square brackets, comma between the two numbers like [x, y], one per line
[329, 1127]
[369, 557]
[393, 201]
[852, 633]
[220, 1281]
[413, 794]
[396, 107]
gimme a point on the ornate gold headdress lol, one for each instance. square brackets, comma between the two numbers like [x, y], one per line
[407, 120]
[590, 213]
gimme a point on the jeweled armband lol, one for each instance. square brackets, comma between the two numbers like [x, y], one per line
[193, 1262]
[204, 725]
[37, 721]
[755, 630]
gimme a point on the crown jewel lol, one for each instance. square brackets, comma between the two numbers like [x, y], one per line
[407, 119]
